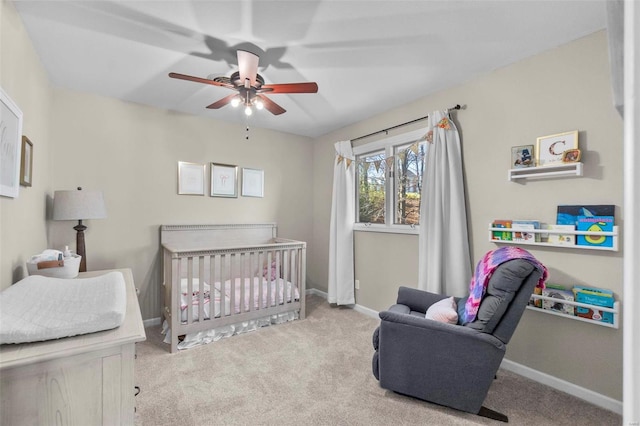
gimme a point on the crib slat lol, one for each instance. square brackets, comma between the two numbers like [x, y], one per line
[269, 260]
[201, 283]
[261, 263]
[252, 280]
[189, 290]
[223, 287]
[212, 287]
[243, 308]
[232, 286]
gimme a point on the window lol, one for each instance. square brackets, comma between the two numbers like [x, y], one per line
[389, 178]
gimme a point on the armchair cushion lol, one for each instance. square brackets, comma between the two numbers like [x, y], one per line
[444, 310]
[503, 285]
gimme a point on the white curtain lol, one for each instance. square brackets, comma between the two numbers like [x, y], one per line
[341, 268]
[444, 260]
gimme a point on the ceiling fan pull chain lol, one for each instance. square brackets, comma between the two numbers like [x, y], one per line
[247, 137]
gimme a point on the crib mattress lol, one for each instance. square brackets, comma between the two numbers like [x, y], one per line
[269, 297]
[41, 308]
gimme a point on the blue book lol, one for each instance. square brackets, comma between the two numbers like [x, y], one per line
[594, 224]
[568, 215]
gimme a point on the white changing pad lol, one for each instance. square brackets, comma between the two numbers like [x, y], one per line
[44, 308]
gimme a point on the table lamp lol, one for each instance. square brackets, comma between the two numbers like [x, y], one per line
[79, 205]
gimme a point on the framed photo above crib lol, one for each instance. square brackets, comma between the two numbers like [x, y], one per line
[10, 137]
[549, 149]
[252, 182]
[224, 180]
[190, 178]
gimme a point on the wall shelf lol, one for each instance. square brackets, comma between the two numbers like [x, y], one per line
[615, 310]
[613, 234]
[545, 172]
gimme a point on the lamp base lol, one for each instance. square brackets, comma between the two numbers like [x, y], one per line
[80, 249]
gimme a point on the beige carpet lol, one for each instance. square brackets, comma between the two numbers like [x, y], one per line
[317, 371]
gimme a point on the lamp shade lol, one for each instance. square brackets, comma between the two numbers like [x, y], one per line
[80, 204]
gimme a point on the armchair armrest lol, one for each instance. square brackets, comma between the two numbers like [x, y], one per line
[464, 335]
[418, 300]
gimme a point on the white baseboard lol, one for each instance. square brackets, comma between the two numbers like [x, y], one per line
[317, 292]
[151, 322]
[564, 386]
[358, 308]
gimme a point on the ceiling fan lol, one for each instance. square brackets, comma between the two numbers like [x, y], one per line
[250, 86]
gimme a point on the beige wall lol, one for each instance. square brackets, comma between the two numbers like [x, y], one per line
[560, 90]
[22, 219]
[131, 152]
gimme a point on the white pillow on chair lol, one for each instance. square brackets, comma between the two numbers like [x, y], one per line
[443, 311]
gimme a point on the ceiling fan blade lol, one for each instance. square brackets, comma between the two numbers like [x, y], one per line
[200, 80]
[222, 102]
[271, 106]
[309, 87]
[247, 66]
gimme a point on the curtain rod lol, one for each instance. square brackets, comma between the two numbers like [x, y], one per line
[400, 125]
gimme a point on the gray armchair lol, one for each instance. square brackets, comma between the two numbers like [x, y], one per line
[452, 364]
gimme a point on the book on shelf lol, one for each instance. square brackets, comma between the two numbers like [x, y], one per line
[525, 225]
[568, 215]
[561, 239]
[557, 291]
[597, 297]
[595, 224]
[501, 235]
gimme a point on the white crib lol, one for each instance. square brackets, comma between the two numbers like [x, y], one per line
[219, 275]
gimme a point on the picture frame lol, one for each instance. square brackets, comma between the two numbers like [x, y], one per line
[522, 156]
[10, 137]
[252, 182]
[224, 180]
[26, 165]
[190, 178]
[571, 156]
[549, 149]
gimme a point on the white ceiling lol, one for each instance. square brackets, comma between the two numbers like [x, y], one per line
[366, 56]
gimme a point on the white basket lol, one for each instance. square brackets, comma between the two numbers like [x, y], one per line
[69, 270]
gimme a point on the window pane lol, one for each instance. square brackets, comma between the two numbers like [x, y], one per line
[371, 187]
[409, 160]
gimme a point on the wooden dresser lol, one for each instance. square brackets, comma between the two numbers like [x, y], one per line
[82, 380]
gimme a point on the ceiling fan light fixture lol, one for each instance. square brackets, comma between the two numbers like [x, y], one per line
[258, 103]
[248, 111]
[235, 102]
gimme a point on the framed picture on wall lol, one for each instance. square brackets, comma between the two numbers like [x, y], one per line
[252, 183]
[26, 165]
[522, 156]
[549, 149]
[10, 137]
[224, 180]
[190, 178]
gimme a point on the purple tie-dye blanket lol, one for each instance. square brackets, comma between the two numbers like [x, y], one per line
[485, 269]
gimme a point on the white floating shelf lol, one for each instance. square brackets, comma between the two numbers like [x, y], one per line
[546, 172]
[615, 310]
[613, 234]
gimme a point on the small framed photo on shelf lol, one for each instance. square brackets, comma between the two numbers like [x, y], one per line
[26, 165]
[190, 178]
[224, 180]
[522, 156]
[571, 156]
[252, 182]
[550, 149]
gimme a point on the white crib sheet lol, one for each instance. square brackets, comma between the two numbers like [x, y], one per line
[283, 287]
[43, 308]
